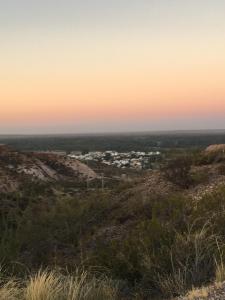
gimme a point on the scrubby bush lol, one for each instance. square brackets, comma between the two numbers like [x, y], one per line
[170, 252]
[162, 245]
[177, 170]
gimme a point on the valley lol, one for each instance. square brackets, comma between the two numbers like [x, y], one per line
[152, 233]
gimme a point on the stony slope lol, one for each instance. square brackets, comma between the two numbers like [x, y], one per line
[15, 166]
[212, 292]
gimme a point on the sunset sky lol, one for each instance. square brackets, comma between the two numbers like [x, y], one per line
[111, 65]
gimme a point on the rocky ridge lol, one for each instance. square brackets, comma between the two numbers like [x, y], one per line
[15, 166]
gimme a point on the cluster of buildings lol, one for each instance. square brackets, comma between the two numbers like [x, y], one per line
[134, 159]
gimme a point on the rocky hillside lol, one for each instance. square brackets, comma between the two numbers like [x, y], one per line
[215, 148]
[15, 166]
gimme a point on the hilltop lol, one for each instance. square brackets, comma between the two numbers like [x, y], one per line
[16, 166]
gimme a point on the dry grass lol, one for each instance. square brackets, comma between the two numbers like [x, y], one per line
[74, 287]
[204, 292]
[52, 286]
[174, 284]
[10, 291]
[189, 267]
[89, 288]
[198, 293]
[220, 272]
[43, 286]
[220, 267]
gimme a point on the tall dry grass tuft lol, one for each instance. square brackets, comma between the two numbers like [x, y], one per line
[220, 267]
[220, 272]
[174, 284]
[46, 285]
[73, 287]
[88, 287]
[192, 261]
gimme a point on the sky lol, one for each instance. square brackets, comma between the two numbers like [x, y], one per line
[111, 65]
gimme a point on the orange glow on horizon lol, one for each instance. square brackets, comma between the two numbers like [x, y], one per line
[66, 76]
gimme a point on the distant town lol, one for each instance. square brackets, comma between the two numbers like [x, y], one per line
[134, 160]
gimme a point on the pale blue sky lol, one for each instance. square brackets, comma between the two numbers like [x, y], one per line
[86, 13]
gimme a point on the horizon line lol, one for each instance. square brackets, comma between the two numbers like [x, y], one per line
[102, 133]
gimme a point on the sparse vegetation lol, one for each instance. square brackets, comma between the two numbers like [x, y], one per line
[143, 244]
